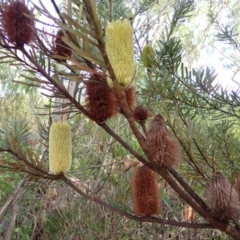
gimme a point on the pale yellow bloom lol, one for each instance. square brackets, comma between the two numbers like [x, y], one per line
[60, 147]
[120, 50]
[148, 56]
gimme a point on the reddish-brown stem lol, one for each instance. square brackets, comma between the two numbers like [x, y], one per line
[188, 188]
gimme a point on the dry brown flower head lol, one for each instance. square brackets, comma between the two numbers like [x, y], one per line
[130, 96]
[61, 47]
[165, 149]
[18, 23]
[222, 198]
[145, 191]
[101, 100]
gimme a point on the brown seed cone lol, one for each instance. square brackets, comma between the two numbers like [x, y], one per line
[18, 27]
[101, 100]
[130, 96]
[222, 199]
[140, 113]
[165, 149]
[61, 48]
[146, 197]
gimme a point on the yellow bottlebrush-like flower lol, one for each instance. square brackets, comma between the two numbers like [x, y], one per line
[60, 147]
[120, 50]
[148, 56]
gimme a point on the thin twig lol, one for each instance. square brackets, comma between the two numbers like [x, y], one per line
[11, 225]
[58, 12]
[13, 198]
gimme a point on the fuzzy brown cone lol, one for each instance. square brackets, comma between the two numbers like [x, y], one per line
[61, 47]
[19, 28]
[131, 96]
[222, 199]
[165, 149]
[101, 100]
[145, 191]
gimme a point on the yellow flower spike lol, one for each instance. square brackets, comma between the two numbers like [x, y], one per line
[60, 147]
[120, 50]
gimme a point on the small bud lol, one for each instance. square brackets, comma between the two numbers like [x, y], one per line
[60, 147]
[148, 56]
[222, 199]
[140, 113]
[120, 51]
[18, 23]
[146, 196]
[164, 148]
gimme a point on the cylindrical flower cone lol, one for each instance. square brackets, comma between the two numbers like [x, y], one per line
[19, 28]
[120, 51]
[61, 48]
[60, 147]
[101, 100]
[165, 149]
[148, 56]
[223, 199]
[145, 191]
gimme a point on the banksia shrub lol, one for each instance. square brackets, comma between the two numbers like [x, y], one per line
[148, 56]
[120, 51]
[61, 48]
[130, 94]
[222, 199]
[60, 147]
[164, 148]
[146, 197]
[101, 100]
[18, 27]
[188, 213]
[140, 113]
